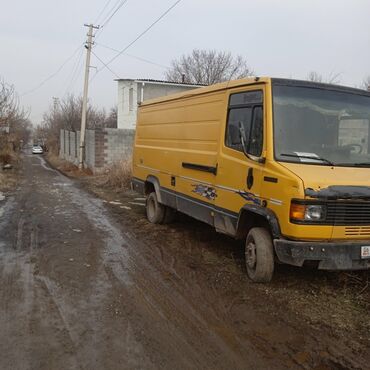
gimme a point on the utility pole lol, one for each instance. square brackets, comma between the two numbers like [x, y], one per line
[88, 46]
[55, 103]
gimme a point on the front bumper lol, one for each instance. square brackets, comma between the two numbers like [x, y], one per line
[331, 255]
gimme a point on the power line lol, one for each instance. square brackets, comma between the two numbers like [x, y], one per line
[116, 7]
[112, 15]
[71, 74]
[105, 64]
[133, 56]
[75, 73]
[102, 11]
[138, 37]
[110, 11]
[52, 75]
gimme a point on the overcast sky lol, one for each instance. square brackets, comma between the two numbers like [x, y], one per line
[285, 38]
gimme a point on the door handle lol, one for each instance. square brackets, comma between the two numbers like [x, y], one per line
[250, 178]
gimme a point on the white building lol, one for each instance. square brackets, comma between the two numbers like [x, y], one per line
[133, 92]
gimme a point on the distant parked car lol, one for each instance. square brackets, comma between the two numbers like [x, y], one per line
[36, 149]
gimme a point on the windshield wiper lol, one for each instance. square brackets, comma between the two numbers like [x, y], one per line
[356, 164]
[317, 158]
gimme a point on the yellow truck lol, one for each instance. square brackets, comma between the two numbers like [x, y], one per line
[282, 164]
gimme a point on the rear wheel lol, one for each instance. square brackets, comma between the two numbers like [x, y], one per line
[259, 255]
[155, 211]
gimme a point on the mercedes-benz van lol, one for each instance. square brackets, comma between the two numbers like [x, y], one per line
[282, 164]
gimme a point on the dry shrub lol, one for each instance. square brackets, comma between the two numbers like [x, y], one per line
[8, 181]
[118, 175]
[5, 157]
[66, 167]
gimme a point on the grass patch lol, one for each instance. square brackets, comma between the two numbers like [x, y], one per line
[8, 178]
[68, 168]
[117, 176]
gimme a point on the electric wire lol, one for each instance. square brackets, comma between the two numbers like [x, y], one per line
[101, 61]
[116, 7]
[138, 37]
[71, 74]
[113, 14]
[110, 11]
[134, 56]
[43, 82]
[102, 11]
[77, 71]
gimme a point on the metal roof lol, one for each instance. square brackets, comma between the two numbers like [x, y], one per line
[164, 82]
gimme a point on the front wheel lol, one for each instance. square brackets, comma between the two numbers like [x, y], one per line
[259, 255]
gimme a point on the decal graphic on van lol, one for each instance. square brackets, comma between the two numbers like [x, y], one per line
[205, 191]
[249, 196]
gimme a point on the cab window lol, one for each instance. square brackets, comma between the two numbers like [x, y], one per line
[245, 109]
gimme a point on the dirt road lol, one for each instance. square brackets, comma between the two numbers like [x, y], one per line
[82, 286]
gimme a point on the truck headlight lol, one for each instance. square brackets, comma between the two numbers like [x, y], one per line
[307, 212]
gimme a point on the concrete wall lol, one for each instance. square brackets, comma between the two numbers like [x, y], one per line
[103, 147]
[90, 148]
[68, 141]
[133, 92]
[152, 91]
[126, 112]
[117, 144]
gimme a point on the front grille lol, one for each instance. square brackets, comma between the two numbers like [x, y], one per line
[348, 213]
[357, 231]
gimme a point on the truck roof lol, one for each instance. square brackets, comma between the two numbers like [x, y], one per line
[207, 89]
[254, 81]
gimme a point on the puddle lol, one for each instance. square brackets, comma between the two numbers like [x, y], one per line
[45, 166]
[115, 203]
[137, 204]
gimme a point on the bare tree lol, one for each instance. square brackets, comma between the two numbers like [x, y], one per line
[208, 67]
[9, 103]
[333, 78]
[67, 115]
[366, 83]
[20, 132]
[314, 77]
[14, 122]
[111, 120]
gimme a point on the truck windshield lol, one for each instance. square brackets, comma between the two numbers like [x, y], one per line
[320, 126]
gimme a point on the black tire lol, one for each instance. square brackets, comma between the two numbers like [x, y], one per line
[259, 255]
[155, 211]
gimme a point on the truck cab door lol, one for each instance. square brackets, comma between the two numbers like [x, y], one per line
[239, 173]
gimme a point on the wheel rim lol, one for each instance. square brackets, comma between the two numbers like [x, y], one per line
[151, 207]
[250, 255]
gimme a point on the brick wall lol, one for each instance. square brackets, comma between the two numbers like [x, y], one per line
[103, 147]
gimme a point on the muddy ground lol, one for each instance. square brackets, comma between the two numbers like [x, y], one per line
[88, 283]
